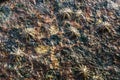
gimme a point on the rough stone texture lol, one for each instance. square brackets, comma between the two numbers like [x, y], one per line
[60, 40]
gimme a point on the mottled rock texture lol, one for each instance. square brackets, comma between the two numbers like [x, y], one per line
[60, 40]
